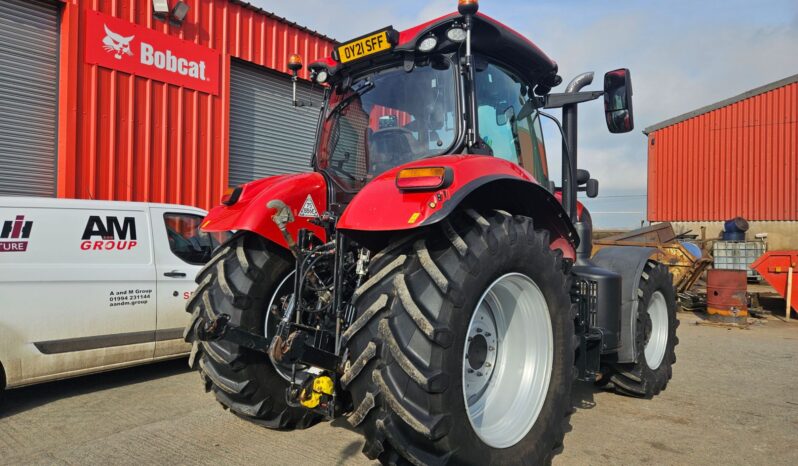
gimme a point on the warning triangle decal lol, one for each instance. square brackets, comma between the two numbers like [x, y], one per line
[309, 208]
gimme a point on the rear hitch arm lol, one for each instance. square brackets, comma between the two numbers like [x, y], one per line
[220, 329]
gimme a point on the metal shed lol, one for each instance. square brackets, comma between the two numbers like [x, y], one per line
[140, 109]
[737, 157]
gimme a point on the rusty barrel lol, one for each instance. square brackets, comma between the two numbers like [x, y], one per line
[726, 298]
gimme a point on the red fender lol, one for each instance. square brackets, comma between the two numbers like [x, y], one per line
[250, 212]
[381, 206]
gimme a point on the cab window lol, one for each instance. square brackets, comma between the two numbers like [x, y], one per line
[187, 241]
[500, 96]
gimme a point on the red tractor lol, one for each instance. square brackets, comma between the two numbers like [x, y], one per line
[427, 280]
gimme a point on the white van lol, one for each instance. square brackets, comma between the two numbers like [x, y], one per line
[88, 286]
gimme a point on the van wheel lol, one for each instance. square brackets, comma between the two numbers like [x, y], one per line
[462, 351]
[246, 276]
[656, 337]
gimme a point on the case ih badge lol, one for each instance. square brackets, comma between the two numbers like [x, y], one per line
[109, 234]
[128, 47]
[13, 231]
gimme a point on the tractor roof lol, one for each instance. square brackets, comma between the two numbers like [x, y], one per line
[490, 38]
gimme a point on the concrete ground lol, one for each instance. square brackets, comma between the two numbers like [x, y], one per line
[733, 400]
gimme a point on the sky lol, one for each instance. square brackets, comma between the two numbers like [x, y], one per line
[682, 55]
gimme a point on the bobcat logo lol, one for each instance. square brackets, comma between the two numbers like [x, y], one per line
[113, 42]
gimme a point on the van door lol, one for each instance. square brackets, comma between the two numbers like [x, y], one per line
[80, 295]
[180, 252]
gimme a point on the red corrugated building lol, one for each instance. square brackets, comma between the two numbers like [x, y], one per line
[738, 157]
[102, 99]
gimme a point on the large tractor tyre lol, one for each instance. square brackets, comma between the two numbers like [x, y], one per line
[246, 277]
[463, 348]
[656, 337]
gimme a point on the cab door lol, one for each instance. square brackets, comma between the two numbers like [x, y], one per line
[180, 252]
[500, 96]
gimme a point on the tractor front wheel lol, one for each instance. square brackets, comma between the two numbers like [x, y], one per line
[656, 339]
[245, 279]
[462, 351]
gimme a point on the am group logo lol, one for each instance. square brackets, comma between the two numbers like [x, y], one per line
[13, 232]
[113, 234]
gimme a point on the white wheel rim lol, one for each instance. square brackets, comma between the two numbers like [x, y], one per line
[505, 388]
[658, 338]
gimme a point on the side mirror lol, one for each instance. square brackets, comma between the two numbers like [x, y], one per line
[582, 176]
[591, 186]
[618, 101]
[591, 189]
[503, 117]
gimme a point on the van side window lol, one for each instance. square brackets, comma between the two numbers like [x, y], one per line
[187, 241]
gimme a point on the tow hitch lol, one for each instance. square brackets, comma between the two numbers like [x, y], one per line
[315, 392]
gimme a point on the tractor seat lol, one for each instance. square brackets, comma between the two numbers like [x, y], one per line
[389, 147]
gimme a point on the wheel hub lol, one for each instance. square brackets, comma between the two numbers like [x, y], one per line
[507, 360]
[481, 351]
[656, 331]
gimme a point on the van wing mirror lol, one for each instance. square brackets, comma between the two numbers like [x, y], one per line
[618, 101]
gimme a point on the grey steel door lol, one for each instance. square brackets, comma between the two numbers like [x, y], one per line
[28, 97]
[268, 135]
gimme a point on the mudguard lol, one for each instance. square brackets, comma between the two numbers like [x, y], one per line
[250, 212]
[628, 261]
[381, 206]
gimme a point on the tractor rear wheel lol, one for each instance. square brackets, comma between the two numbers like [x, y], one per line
[245, 279]
[656, 337]
[462, 351]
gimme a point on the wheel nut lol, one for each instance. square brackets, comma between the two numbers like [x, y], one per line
[470, 371]
[479, 374]
[487, 334]
[487, 364]
[490, 348]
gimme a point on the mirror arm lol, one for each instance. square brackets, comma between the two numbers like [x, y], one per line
[569, 123]
[561, 99]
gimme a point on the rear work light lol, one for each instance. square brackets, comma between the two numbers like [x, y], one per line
[231, 195]
[424, 178]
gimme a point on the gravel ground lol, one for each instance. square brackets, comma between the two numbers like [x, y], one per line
[733, 400]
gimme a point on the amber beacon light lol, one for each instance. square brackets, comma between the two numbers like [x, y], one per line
[467, 7]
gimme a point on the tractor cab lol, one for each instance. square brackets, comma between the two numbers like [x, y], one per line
[463, 83]
[397, 97]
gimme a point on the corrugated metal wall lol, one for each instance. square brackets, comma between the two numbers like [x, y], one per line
[28, 95]
[268, 135]
[130, 138]
[741, 159]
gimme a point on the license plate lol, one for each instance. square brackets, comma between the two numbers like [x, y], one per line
[368, 45]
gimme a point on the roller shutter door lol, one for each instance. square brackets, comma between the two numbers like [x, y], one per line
[268, 135]
[28, 97]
